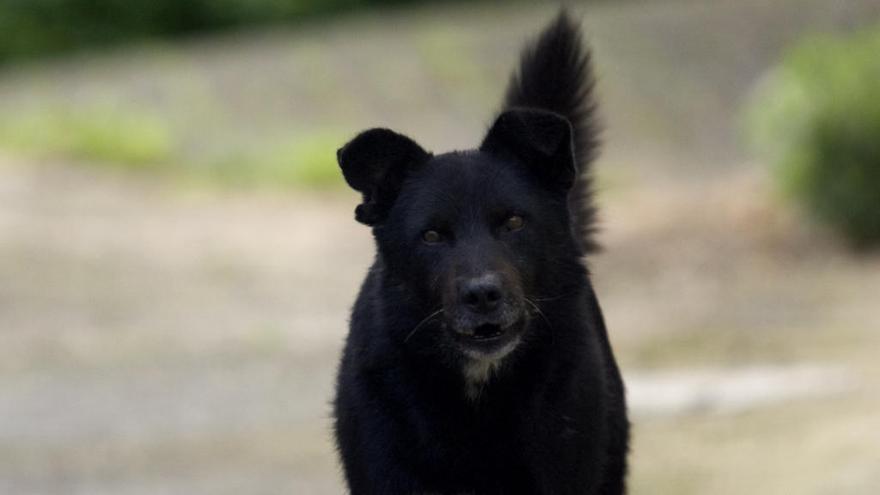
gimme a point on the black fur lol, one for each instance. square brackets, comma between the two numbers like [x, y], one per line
[477, 360]
[555, 74]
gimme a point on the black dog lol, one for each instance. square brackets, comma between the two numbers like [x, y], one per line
[477, 360]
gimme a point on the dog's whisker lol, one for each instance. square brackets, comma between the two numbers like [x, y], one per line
[538, 310]
[421, 323]
[554, 298]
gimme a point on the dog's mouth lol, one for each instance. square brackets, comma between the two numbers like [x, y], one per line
[484, 332]
[485, 338]
[487, 331]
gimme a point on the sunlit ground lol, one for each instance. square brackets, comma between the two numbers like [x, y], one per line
[170, 333]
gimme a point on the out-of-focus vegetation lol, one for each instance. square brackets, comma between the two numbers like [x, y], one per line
[137, 140]
[108, 135]
[37, 27]
[817, 118]
[131, 137]
[307, 160]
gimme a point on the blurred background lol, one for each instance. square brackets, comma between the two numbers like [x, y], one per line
[178, 252]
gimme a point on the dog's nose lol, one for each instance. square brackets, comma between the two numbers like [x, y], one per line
[481, 294]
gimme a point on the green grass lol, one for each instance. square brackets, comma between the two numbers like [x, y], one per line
[134, 140]
[112, 136]
[307, 160]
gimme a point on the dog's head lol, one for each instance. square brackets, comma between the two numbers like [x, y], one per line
[477, 237]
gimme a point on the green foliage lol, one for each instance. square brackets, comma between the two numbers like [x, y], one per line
[307, 160]
[106, 135]
[817, 118]
[133, 140]
[35, 27]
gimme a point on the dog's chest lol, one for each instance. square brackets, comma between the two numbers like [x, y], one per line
[478, 446]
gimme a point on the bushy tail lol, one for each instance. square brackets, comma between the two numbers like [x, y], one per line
[555, 74]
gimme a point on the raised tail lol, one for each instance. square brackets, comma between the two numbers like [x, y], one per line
[555, 74]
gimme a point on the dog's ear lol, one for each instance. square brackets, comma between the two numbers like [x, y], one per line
[375, 163]
[540, 139]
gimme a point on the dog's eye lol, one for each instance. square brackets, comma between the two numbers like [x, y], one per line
[431, 236]
[514, 222]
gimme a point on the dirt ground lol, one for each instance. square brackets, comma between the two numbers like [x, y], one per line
[166, 341]
[160, 338]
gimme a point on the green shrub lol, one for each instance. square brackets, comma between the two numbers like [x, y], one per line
[817, 119]
[36, 27]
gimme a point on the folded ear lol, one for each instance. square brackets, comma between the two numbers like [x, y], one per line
[540, 139]
[375, 163]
